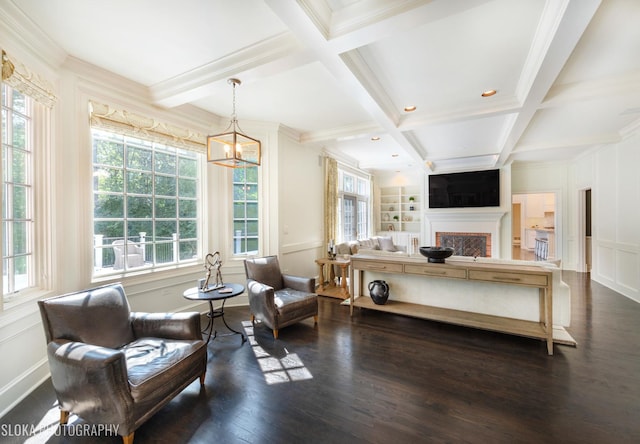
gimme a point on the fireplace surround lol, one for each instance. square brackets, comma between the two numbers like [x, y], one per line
[466, 244]
[464, 230]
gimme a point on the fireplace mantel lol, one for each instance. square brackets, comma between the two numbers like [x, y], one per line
[466, 221]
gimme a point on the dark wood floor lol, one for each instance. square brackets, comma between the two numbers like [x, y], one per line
[383, 378]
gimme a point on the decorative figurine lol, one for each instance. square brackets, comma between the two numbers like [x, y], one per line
[212, 261]
[331, 250]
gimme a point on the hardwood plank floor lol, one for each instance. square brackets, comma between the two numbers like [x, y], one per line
[382, 378]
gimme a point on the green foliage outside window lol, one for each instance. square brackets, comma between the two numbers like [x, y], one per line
[17, 192]
[245, 211]
[144, 191]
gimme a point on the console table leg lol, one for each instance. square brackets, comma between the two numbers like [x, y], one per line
[548, 299]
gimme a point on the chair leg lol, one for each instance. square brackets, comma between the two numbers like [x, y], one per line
[202, 377]
[315, 319]
[64, 416]
[253, 318]
[128, 439]
[275, 333]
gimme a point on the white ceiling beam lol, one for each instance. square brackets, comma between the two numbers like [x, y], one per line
[363, 23]
[598, 139]
[276, 54]
[558, 33]
[342, 68]
[624, 85]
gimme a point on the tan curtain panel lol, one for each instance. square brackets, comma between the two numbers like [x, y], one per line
[331, 199]
[123, 122]
[20, 78]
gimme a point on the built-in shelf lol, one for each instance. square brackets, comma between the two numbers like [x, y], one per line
[400, 209]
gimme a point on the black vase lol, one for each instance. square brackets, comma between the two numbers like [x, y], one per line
[379, 292]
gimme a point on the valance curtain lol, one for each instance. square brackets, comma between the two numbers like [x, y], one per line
[124, 122]
[331, 199]
[20, 78]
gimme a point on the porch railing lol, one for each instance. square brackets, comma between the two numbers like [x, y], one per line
[164, 250]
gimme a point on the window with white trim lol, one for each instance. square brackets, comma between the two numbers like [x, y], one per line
[146, 208]
[353, 205]
[26, 102]
[245, 211]
[18, 264]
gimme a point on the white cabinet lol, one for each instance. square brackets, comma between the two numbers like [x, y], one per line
[549, 203]
[535, 205]
[539, 204]
[529, 238]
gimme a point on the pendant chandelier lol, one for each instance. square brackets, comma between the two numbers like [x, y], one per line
[232, 148]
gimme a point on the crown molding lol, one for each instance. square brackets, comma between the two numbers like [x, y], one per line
[19, 34]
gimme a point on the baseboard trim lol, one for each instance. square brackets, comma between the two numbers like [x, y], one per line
[20, 387]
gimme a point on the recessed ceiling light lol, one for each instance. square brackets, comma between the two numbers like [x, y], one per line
[395, 155]
[375, 138]
[489, 93]
[409, 109]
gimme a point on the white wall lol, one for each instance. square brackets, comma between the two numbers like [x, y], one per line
[612, 174]
[300, 206]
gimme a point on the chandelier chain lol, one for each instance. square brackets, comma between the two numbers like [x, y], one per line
[234, 116]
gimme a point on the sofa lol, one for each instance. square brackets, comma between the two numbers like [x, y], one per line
[113, 366]
[380, 244]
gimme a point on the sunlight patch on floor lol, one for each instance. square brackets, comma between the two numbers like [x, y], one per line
[276, 370]
[46, 428]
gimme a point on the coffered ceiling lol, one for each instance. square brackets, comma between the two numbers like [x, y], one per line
[339, 72]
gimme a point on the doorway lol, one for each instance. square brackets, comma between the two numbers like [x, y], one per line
[534, 218]
[587, 230]
[516, 227]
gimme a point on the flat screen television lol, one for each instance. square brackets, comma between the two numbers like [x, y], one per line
[468, 189]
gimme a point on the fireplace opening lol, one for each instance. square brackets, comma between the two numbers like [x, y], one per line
[466, 244]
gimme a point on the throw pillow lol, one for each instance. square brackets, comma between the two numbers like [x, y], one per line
[386, 244]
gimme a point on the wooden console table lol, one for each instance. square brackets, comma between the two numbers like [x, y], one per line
[509, 274]
[330, 288]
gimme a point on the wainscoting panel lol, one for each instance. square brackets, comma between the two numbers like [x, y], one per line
[627, 267]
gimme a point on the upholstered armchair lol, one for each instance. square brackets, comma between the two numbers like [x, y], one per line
[113, 366]
[278, 299]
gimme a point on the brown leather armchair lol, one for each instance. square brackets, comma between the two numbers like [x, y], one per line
[278, 299]
[113, 366]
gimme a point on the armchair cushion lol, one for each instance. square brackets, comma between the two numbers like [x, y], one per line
[293, 304]
[153, 364]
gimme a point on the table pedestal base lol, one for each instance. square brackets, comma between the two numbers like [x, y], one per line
[219, 313]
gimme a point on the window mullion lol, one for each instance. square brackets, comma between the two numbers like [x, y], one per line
[150, 195]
